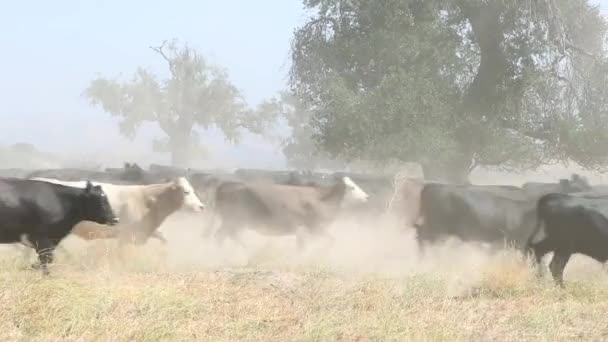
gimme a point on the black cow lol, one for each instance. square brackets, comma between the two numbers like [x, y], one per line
[569, 224]
[40, 214]
[576, 183]
[487, 213]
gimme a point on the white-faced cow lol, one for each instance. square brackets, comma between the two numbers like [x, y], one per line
[161, 201]
[273, 209]
[40, 214]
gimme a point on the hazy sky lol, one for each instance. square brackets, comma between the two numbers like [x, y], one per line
[52, 49]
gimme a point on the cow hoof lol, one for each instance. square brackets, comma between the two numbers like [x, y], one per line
[35, 266]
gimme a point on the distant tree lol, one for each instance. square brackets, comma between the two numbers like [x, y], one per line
[454, 84]
[197, 94]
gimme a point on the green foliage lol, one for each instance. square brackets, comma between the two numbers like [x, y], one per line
[299, 148]
[197, 94]
[454, 84]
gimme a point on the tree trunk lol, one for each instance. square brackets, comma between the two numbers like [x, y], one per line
[483, 95]
[180, 150]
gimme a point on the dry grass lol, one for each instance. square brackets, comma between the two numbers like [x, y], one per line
[369, 286]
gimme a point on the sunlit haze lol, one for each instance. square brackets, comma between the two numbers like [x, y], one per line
[52, 50]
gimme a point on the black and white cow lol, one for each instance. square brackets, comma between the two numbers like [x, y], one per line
[40, 214]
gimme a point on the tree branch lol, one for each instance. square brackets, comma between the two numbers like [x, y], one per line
[558, 31]
[334, 22]
[159, 50]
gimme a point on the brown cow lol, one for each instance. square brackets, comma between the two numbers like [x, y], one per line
[162, 200]
[273, 209]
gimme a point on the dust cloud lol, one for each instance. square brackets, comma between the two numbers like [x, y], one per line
[374, 246]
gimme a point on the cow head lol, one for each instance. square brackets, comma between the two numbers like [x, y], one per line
[96, 206]
[353, 194]
[170, 199]
[191, 200]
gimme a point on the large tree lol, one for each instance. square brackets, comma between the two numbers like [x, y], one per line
[298, 147]
[454, 84]
[197, 94]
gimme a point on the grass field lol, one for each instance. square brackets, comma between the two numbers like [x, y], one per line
[369, 286]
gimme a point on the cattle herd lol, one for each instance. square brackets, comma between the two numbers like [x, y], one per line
[39, 208]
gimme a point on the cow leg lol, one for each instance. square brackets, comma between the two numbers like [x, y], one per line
[537, 252]
[557, 266]
[44, 248]
[423, 242]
